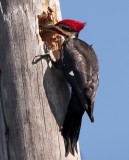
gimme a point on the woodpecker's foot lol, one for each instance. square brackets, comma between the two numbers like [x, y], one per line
[47, 56]
[40, 57]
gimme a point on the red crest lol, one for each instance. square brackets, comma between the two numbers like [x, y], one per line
[75, 25]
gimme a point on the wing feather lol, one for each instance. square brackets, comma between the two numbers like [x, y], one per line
[80, 58]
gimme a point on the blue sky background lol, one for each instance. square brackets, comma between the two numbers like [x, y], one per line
[108, 30]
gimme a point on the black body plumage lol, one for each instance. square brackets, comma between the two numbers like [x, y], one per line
[80, 67]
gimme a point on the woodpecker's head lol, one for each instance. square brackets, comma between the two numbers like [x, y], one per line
[68, 28]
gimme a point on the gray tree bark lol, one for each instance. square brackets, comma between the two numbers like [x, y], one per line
[33, 98]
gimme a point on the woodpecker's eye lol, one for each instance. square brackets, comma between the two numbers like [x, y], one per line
[65, 27]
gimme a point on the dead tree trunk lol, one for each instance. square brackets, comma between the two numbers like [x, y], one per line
[33, 98]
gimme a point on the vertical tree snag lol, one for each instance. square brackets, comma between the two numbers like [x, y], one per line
[33, 98]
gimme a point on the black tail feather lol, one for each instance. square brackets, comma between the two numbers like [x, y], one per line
[72, 124]
[75, 134]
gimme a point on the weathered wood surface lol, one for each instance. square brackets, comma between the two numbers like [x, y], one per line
[33, 98]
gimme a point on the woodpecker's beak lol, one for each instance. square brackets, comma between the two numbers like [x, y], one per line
[49, 27]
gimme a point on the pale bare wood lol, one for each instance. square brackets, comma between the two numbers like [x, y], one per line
[33, 98]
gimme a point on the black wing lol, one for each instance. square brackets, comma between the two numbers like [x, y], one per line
[81, 70]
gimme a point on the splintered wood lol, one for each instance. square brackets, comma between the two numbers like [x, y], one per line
[52, 39]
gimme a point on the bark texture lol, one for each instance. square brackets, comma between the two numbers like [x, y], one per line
[33, 98]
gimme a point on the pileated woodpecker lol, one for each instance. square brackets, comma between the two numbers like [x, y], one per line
[79, 64]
